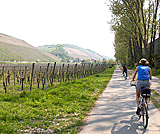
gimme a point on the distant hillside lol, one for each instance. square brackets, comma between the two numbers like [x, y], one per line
[12, 49]
[14, 41]
[67, 50]
[15, 49]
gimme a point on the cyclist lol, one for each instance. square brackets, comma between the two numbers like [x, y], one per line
[125, 70]
[144, 77]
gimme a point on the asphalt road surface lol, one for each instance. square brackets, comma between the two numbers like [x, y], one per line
[114, 112]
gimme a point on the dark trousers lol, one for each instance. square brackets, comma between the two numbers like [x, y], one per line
[125, 71]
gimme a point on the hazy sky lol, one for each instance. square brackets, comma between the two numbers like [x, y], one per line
[45, 22]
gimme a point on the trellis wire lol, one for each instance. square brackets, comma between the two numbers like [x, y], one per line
[30, 76]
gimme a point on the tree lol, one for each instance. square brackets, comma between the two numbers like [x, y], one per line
[133, 28]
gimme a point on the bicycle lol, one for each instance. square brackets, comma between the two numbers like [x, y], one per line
[144, 96]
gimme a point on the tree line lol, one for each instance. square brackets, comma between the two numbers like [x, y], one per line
[137, 31]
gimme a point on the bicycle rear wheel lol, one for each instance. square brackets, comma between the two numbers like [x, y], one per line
[145, 116]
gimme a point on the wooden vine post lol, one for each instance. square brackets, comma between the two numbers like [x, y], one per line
[20, 75]
[8, 77]
[3, 73]
[60, 74]
[22, 81]
[81, 73]
[83, 70]
[75, 71]
[63, 72]
[5, 86]
[53, 73]
[14, 76]
[67, 73]
[43, 80]
[25, 73]
[89, 67]
[32, 76]
[38, 78]
[47, 70]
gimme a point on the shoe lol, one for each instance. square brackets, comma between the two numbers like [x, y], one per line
[138, 111]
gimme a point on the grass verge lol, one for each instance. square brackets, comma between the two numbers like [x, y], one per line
[156, 72]
[155, 97]
[60, 109]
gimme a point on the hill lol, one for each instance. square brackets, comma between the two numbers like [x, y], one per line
[70, 51]
[15, 49]
[12, 49]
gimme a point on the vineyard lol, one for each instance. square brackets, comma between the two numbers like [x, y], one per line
[25, 77]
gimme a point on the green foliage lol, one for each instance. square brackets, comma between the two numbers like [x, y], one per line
[105, 62]
[60, 109]
[60, 52]
[134, 24]
[135, 65]
[47, 48]
[156, 72]
[85, 61]
[111, 61]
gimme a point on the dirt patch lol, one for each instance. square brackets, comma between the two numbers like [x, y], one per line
[72, 51]
[14, 41]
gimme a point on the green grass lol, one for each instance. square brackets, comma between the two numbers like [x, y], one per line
[60, 109]
[155, 99]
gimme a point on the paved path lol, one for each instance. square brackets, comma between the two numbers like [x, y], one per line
[114, 112]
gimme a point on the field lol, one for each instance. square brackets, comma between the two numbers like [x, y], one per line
[60, 109]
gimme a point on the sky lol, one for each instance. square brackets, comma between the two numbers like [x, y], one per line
[45, 22]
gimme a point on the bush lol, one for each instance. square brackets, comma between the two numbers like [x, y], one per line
[156, 72]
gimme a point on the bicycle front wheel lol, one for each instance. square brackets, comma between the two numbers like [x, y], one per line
[145, 116]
